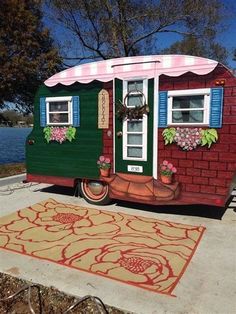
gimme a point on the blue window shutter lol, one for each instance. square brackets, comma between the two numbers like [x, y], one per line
[216, 107]
[76, 111]
[43, 116]
[162, 119]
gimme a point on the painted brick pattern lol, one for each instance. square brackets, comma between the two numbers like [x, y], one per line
[108, 133]
[207, 171]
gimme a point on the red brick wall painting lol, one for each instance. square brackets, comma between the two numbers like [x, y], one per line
[205, 170]
[107, 134]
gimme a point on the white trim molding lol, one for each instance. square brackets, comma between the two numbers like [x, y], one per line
[155, 128]
[144, 121]
[67, 99]
[205, 92]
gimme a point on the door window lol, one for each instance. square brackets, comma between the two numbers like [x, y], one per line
[134, 139]
[134, 94]
[135, 130]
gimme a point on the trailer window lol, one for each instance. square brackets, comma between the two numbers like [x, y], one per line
[188, 107]
[135, 98]
[59, 110]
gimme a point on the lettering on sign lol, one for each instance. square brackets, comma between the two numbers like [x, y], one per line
[103, 109]
[132, 168]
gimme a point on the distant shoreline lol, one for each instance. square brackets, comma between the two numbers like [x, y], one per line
[16, 126]
[11, 169]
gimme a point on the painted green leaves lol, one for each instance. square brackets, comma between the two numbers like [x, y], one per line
[208, 137]
[169, 135]
[70, 133]
[47, 134]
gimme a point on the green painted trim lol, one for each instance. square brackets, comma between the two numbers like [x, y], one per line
[76, 159]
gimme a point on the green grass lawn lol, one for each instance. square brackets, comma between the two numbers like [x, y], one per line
[11, 169]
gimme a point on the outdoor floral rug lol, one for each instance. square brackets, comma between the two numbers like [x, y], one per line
[144, 252]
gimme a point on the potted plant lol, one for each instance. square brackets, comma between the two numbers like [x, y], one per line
[104, 164]
[166, 172]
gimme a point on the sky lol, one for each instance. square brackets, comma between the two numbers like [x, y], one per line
[226, 38]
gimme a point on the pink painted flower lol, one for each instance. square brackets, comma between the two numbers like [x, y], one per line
[188, 138]
[58, 134]
[101, 158]
[167, 168]
[104, 162]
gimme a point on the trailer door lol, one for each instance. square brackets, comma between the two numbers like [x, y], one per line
[133, 143]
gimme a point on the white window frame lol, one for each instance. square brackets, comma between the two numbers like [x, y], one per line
[69, 112]
[144, 120]
[190, 92]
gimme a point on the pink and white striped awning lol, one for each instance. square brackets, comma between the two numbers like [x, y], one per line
[133, 67]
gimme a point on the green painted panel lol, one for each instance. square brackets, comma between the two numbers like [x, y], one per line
[121, 165]
[78, 158]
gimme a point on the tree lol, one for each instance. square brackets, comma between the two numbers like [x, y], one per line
[203, 47]
[27, 54]
[113, 28]
[12, 116]
[234, 57]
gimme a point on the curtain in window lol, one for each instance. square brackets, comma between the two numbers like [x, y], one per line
[177, 116]
[196, 116]
[185, 116]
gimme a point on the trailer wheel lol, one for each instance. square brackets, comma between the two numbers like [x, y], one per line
[94, 192]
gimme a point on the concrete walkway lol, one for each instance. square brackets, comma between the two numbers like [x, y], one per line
[207, 286]
[13, 179]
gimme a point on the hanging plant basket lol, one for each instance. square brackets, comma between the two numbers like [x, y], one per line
[123, 112]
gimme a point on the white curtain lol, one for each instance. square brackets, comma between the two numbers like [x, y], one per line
[195, 116]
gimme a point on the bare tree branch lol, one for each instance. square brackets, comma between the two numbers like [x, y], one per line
[114, 28]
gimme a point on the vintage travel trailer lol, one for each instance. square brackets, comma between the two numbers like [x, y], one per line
[162, 126]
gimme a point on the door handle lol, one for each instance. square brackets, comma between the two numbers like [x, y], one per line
[119, 133]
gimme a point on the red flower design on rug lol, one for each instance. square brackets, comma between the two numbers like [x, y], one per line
[65, 218]
[135, 264]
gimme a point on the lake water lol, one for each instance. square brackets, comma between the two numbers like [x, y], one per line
[12, 144]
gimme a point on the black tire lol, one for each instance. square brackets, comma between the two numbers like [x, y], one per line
[94, 192]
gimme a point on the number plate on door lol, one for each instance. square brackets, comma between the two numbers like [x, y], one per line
[132, 168]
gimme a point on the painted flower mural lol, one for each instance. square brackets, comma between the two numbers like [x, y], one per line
[59, 134]
[189, 138]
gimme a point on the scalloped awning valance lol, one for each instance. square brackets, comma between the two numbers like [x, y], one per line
[132, 67]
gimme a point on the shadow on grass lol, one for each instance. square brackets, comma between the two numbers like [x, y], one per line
[212, 212]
